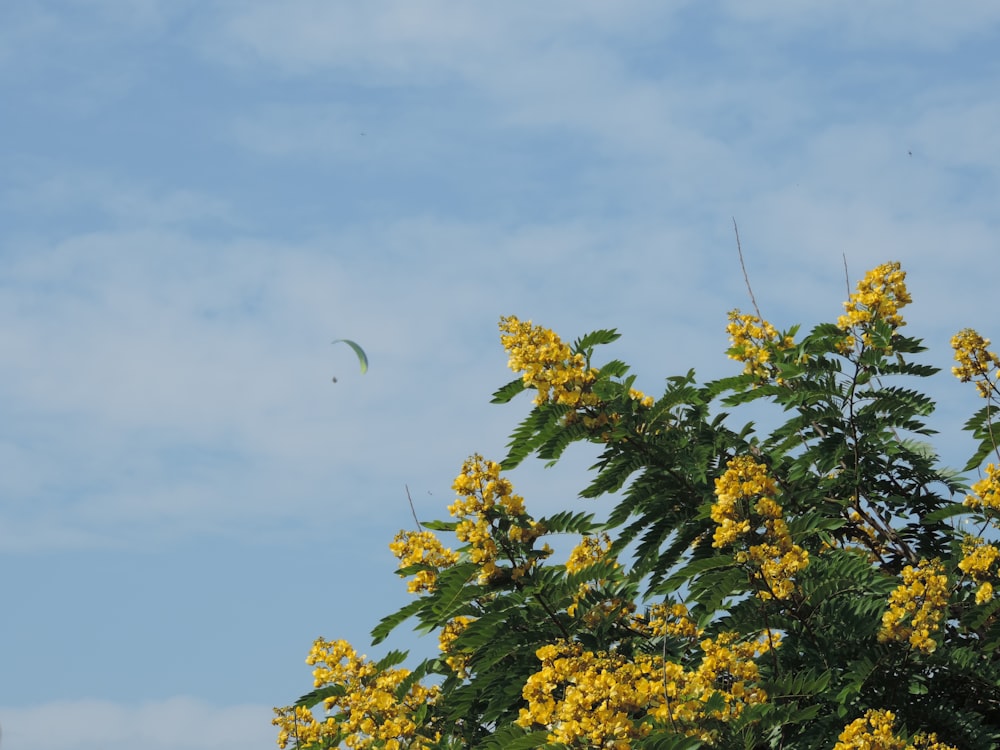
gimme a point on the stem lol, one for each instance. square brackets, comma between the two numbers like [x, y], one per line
[510, 553]
[746, 278]
[882, 526]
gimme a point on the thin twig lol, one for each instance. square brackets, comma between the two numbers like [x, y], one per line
[412, 509]
[847, 276]
[666, 694]
[746, 276]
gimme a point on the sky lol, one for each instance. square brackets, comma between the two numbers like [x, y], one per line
[196, 198]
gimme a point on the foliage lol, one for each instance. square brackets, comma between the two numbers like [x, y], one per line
[807, 586]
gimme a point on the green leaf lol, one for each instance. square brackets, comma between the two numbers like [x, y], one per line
[514, 738]
[694, 568]
[560, 440]
[411, 679]
[856, 676]
[391, 659]
[948, 511]
[605, 336]
[450, 595]
[669, 741]
[534, 430]
[317, 696]
[388, 624]
[568, 521]
[982, 614]
[613, 369]
[362, 357]
[507, 392]
[439, 525]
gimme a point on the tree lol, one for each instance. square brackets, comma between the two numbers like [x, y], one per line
[803, 587]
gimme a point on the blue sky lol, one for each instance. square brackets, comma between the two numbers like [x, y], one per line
[197, 198]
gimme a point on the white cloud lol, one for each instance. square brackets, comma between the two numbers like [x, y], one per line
[172, 724]
[68, 53]
[960, 130]
[687, 137]
[192, 216]
[912, 24]
[120, 203]
[403, 41]
[556, 67]
[151, 341]
[297, 130]
[167, 384]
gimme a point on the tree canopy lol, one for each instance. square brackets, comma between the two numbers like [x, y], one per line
[827, 583]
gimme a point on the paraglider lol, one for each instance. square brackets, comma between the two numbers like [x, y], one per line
[362, 357]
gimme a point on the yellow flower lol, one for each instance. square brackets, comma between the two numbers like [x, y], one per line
[921, 599]
[636, 395]
[975, 361]
[590, 550]
[484, 506]
[986, 492]
[874, 731]
[776, 560]
[457, 661]
[674, 620]
[985, 593]
[604, 699]
[297, 723]
[369, 713]
[977, 557]
[744, 478]
[422, 547]
[548, 365]
[978, 561]
[752, 342]
[881, 294]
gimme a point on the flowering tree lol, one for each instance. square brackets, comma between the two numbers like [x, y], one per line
[806, 587]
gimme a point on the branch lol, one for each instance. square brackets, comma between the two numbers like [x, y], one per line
[746, 277]
[412, 509]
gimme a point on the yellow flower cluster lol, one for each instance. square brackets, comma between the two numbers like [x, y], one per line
[636, 395]
[776, 559]
[594, 698]
[753, 342]
[298, 723]
[605, 700]
[590, 551]
[547, 364]
[874, 731]
[368, 714]
[920, 599]
[975, 361]
[978, 557]
[743, 479]
[667, 619]
[881, 294]
[978, 561]
[457, 661]
[986, 492]
[678, 623]
[423, 548]
[866, 535]
[484, 499]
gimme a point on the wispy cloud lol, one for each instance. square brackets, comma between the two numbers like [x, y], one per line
[922, 24]
[173, 724]
[198, 200]
[405, 42]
